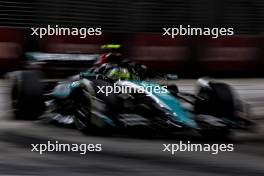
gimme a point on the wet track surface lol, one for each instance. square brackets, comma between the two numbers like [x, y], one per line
[124, 155]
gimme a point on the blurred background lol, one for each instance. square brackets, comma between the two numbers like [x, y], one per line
[138, 26]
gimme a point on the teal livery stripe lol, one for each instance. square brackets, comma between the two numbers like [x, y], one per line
[165, 99]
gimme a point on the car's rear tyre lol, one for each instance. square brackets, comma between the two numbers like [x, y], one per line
[26, 94]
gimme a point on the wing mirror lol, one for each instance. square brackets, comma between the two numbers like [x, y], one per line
[171, 77]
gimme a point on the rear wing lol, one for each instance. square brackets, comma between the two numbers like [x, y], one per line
[41, 56]
[59, 65]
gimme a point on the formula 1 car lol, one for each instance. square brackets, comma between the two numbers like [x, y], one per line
[214, 111]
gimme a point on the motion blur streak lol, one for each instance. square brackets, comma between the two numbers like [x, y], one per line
[129, 156]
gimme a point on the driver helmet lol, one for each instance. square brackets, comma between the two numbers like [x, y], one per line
[111, 53]
[119, 73]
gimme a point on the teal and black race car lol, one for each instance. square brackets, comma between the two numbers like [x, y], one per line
[114, 97]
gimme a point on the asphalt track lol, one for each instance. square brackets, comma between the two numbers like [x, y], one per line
[124, 155]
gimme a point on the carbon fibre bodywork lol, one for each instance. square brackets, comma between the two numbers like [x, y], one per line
[145, 111]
